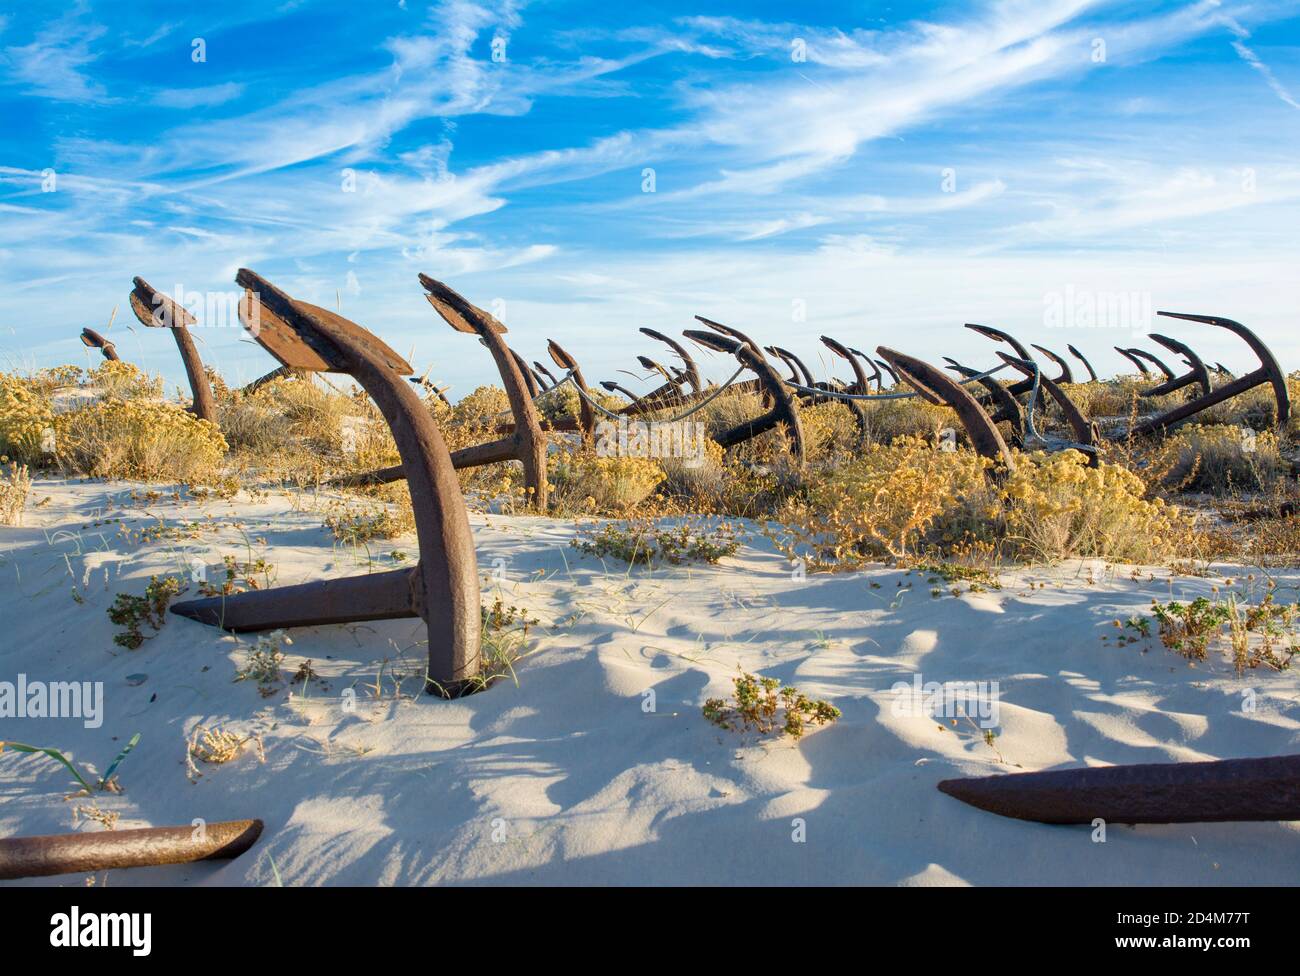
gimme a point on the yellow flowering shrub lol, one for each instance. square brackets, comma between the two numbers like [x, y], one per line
[828, 428]
[562, 404]
[485, 405]
[52, 378]
[145, 441]
[25, 417]
[1219, 457]
[699, 478]
[909, 499]
[890, 501]
[311, 414]
[584, 481]
[15, 483]
[891, 419]
[1057, 506]
[115, 378]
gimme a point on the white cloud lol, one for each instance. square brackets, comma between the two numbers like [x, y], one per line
[1252, 59]
[51, 66]
[206, 97]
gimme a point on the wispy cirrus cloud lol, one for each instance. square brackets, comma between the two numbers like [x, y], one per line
[1253, 59]
[207, 97]
[53, 64]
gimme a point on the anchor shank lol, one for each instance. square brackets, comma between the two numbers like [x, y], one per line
[377, 596]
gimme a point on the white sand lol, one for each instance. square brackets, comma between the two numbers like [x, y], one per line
[565, 779]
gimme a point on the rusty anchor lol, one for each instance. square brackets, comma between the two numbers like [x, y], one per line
[1008, 407]
[1150, 793]
[586, 415]
[1092, 373]
[1137, 356]
[443, 586]
[524, 442]
[1067, 376]
[541, 372]
[691, 370]
[1086, 434]
[157, 310]
[1128, 354]
[1268, 372]
[109, 850]
[998, 335]
[861, 385]
[872, 365]
[93, 340]
[883, 364]
[726, 339]
[1197, 372]
[934, 386]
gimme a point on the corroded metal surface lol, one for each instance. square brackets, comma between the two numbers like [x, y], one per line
[561, 358]
[1008, 407]
[750, 355]
[527, 443]
[91, 338]
[1067, 375]
[375, 596]
[541, 370]
[934, 386]
[1268, 372]
[444, 590]
[157, 310]
[1197, 373]
[1092, 373]
[309, 351]
[108, 850]
[1202, 792]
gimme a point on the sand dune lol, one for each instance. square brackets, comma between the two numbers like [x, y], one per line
[566, 777]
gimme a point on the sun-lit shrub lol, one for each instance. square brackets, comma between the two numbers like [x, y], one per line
[1218, 458]
[885, 503]
[829, 429]
[123, 380]
[1057, 506]
[26, 420]
[139, 440]
[907, 499]
[698, 479]
[584, 481]
[888, 420]
[15, 483]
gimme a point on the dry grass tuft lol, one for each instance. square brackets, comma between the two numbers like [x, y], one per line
[15, 484]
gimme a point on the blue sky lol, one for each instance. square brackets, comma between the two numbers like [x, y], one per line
[881, 173]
